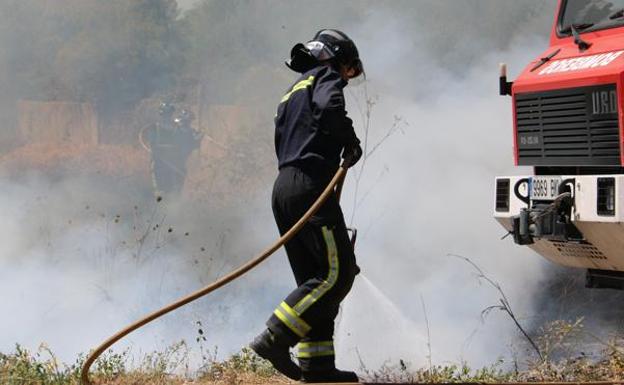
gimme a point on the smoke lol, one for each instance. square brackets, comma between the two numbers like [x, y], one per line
[427, 194]
[80, 256]
[431, 196]
[80, 262]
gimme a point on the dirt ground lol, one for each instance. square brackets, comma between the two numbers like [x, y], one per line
[76, 159]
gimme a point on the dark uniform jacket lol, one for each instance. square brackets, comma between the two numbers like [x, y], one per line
[311, 126]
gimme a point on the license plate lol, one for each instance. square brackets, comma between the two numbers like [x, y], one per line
[545, 187]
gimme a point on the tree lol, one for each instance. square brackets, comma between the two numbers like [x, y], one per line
[112, 53]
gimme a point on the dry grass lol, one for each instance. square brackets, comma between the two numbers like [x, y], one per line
[562, 344]
[170, 367]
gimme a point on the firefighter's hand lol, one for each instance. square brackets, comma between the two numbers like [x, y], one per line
[352, 155]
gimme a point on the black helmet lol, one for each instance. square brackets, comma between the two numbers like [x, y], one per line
[166, 109]
[327, 45]
[185, 118]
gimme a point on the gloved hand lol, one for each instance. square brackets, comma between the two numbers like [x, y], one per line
[352, 154]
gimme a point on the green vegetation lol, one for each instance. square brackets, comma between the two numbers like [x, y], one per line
[114, 53]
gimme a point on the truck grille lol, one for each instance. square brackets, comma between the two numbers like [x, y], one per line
[578, 250]
[569, 127]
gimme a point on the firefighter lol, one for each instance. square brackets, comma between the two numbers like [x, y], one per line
[171, 142]
[312, 130]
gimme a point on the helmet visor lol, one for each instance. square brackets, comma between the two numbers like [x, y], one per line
[319, 50]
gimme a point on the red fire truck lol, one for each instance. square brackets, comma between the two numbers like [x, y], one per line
[568, 109]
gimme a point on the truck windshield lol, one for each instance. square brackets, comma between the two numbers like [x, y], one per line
[591, 15]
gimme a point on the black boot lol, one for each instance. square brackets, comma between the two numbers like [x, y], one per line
[268, 347]
[331, 376]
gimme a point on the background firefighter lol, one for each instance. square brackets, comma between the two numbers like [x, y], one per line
[311, 131]
[171, 142]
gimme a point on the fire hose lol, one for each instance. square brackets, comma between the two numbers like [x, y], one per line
[334, 187]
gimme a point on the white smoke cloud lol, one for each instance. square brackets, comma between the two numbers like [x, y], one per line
[434, 198]
[72, 272]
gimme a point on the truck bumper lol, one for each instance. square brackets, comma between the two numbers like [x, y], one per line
[597, 212]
